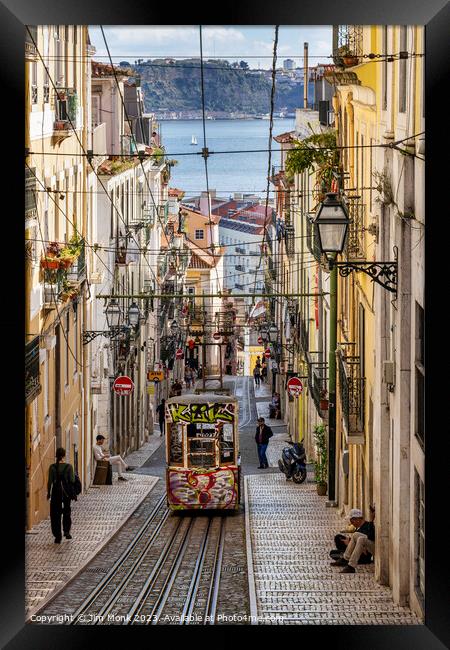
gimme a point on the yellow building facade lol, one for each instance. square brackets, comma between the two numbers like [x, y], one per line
[57, 310]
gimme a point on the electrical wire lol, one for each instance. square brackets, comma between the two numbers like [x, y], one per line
[85, 152]
[269, 160]
[205, 156]
[387, 145]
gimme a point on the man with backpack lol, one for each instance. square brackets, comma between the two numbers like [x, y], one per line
[63, 486]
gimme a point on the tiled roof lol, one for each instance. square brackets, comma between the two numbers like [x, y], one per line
[107, 70]
[282, 138]
[251, 228]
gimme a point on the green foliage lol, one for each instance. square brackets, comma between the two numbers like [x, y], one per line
[321, 462]
[319, 152]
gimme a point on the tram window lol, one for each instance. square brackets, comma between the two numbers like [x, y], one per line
[176, 450]
[201, 453]
[226, 443]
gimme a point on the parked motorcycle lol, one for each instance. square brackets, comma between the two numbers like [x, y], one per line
[293, 462]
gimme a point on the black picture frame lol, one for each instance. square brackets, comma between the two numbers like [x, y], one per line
[435, 15]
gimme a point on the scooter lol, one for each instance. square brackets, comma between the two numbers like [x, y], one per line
[292, 462]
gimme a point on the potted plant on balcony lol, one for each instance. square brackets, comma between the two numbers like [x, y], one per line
[321, 462]
[50, 263]
[66, 258]
[347, 56]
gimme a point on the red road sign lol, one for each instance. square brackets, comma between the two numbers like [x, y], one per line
[123, 385]
[260, 339]
[216, 336]
[267, 353]
[179, 353]
[294, 386]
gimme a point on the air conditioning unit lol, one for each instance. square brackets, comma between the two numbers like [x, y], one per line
[389, 372]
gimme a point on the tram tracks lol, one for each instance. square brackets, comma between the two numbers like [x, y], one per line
[171, 577]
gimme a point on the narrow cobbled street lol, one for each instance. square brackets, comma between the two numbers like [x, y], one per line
[268, 563]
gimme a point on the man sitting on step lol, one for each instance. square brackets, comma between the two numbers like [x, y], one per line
[99, 454]
[361, 544]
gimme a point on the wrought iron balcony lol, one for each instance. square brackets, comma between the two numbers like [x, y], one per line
[303, 334]
[66, 111]
[30, 193]
[352, 395]
[317, 381]
[355, 247]
[76, 274]
[347, 45]
[289, 239]
[312, 242]
[32, 379]
[30, 48]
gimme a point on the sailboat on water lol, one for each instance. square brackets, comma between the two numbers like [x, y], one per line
[194, 140]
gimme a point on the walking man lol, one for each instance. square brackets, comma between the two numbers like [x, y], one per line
[263, 433]
[99, 454]
[161, 410]
[59, 475]
[257, 374]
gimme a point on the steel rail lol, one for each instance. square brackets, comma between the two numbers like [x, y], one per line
[119, 562]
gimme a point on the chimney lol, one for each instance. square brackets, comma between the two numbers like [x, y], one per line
[305, 75]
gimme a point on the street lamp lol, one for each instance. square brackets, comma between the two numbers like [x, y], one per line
[273, 333]
[331, 226]
[174, 327]
[134, 314]
[113, 314]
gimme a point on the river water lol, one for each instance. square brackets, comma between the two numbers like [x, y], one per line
[227, 172]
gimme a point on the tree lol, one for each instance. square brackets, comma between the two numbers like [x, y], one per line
[243, 65]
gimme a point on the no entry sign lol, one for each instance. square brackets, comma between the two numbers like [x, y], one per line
[260, 339]
[179, 353]
[294, 386]
[267, 353]
[216, 336]
[123, 385]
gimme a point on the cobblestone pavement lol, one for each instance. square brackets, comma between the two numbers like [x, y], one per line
[96, 516]
[290, 533]
[139, 457]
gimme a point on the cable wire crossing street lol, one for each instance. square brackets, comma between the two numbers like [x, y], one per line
[224, 349]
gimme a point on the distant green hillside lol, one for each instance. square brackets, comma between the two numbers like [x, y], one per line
[177, 87]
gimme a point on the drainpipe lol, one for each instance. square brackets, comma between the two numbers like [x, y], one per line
[305, 75]
[84, 321]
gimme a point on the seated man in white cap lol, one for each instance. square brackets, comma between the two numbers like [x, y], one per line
[362, 541]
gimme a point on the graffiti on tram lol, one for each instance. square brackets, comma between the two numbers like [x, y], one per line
[201, 413]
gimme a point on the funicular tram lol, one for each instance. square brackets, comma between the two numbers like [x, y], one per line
[202, 452]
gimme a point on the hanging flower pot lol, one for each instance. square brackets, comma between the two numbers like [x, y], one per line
[66, 262]
[350, 60]
[50, 263]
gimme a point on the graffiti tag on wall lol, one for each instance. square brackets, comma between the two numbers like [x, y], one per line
[201, 413]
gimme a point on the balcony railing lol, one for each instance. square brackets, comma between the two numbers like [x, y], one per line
[66, 111]
[303, 334]
[347, 45]
[352, 393]
[30, 49]
[317, 381]
[30, 193]
[289, 239]
[77, 272]
[32, 379]
[355, 247]
[312, 242]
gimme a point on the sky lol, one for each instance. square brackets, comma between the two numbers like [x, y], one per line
[129, 43]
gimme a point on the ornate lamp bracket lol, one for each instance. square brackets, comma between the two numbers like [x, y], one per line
[90, 335]
[383, 273]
